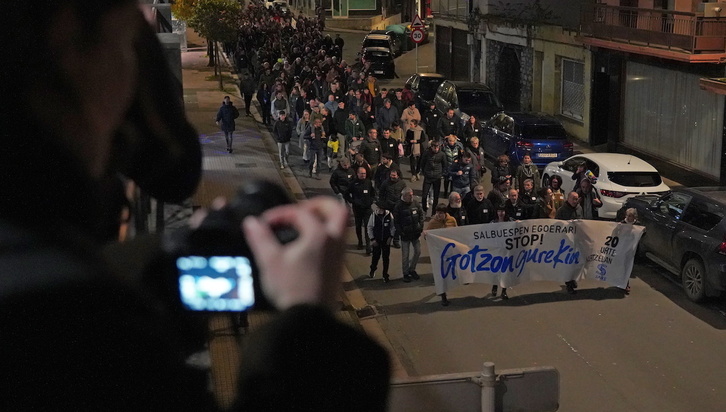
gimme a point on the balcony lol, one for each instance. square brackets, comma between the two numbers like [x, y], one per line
[675, 35]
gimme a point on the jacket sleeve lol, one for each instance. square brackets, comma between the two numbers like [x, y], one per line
[370, 225]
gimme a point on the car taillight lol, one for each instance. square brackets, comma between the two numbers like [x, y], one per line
[612, 193]
[722, 248]
[524, 145]
[568, 146]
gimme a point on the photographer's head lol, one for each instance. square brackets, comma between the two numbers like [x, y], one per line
[73, 83]
[78, 64]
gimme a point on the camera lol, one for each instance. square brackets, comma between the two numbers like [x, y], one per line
[215, 270]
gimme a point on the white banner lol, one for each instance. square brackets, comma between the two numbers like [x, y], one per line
[510, 253]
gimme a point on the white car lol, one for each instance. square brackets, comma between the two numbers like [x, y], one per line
[282, 4]
[619, 177]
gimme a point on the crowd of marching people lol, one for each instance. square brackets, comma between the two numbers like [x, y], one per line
[364, 136]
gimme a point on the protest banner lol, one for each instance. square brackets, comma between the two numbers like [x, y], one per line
[510, 253]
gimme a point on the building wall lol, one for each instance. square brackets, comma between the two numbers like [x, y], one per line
[540, 52]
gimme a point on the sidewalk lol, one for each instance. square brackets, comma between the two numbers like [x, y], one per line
[254, 157]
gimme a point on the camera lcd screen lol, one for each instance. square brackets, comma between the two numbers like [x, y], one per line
[216, 283]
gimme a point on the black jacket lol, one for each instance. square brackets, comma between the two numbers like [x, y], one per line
[479, 212]
[341, 179]
[282, 130]
[433, 165]
[390, 193]
[371, 151]
[361, 194]
[409, 220]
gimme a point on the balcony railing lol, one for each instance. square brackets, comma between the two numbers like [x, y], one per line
[677, 31]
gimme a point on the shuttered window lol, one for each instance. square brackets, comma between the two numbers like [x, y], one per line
[667, 114]
[573, 89]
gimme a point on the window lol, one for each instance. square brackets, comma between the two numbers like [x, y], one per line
[635, 179]
[573, 89]
[673, 205]
[702, 215]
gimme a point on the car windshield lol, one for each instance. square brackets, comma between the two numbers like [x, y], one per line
[427, 87]
[472, 100]
[543, 131]
[635, 179]
[376, 43]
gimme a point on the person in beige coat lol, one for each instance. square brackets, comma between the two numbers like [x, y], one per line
[409, 113]
[415, 141]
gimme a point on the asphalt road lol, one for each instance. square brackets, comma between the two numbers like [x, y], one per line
[652, 350]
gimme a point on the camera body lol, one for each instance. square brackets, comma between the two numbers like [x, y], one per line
[214, 266]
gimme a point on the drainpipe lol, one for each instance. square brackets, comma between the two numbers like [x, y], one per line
[488, 387]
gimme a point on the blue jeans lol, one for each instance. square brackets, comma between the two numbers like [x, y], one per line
[228, 138]
[284, 150]
[407, 265]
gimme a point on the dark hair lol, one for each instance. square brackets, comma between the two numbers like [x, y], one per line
[557, 178]
[441, 207]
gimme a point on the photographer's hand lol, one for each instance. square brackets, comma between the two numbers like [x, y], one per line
[308, 269]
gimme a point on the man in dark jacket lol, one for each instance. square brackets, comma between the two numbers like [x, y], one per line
[387, 114]
[409, 220]
[282, 130]
[570, 210]
[456, 210]
[389, 145]
[341, 178]
[339, 118]
[433, 166]
[249, 87]
[361, 196]
[431, 119]
[390, 191]
[514, 206]
[477, 158]
[478, 208]
[449, 124]
[315, 135]
[381, 230]
[371, 150]
[383, 171]
[225, 119]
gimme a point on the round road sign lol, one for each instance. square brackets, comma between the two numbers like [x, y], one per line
[417, 35]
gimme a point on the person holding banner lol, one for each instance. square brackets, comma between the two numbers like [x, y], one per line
[441, 219]
[571, 210]
[478, 208]
[381, 231]
[456, 210]
[500, 217]
[409, 219]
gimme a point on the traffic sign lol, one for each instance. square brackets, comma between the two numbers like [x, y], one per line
[417, 23]
[417, 35]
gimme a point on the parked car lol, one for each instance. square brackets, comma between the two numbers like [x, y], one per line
[684, 233]
[380, 60]
[516, 134]
[395, 42]
[424, 86]
[383, 41]
[466, 99]
[281, 4]
[618, 178]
